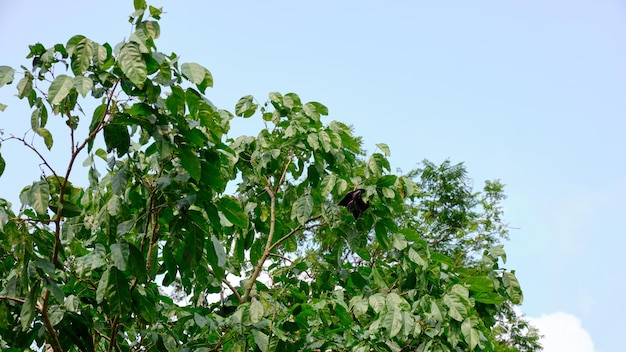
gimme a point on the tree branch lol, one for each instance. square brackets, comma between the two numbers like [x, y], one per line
[268, 245]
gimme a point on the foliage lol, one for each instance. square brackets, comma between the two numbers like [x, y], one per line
[246, 231]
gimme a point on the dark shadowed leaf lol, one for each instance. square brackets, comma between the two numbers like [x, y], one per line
[190, 162]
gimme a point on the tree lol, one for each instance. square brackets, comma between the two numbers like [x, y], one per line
[169, 200]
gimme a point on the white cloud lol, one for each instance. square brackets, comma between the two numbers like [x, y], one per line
[562, 332]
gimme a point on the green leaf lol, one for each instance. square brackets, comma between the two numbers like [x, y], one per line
[302, 209]
[470, 333]
[47, 136]
[113, 289]
[393, 319]
[479, 284]
[38, 197]
[320, 108]
[81, 58]
[72, 43]
[498, 251]
[27, 313]
[310, 111]
[83, 85]
[245, 106]
[384, 148]
[6, 75]
[140, 4]
[197, 74]
[456, 309]
[3, 164]
[261, 340]
[2, 107]
[220, 252]
[54, 288]
[513, 287]
[328, 183]
[233, 212]
[116, 136]
[25, 86]
[256, 311]
[132, 64]
[488, 298]
[190, 161]
[60, 88]
[386, 181]
[435, 311]
[193, 247]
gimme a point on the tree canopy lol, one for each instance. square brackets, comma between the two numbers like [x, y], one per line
[179, 237]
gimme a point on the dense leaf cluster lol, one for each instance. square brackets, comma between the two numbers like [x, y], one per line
[185, 239]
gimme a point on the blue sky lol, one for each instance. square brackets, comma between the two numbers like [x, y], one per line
[529, 92]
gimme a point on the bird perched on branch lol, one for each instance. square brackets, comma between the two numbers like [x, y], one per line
[355, 204]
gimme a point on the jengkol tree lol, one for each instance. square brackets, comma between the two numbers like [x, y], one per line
[293, 239]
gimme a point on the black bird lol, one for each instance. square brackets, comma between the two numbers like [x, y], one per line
[355, 203]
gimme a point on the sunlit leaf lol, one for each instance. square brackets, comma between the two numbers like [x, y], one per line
[25, 86]
[132, 64]
[261, 340]
[256, 311]
[6, 75]
[83, 85]
[456, 309]
[384, 148]
[245, 106]
[302, 209]
[60, 88]
[470, 333]
[46, 135]
[81, 58]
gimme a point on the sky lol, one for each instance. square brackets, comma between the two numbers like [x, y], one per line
[532, 93]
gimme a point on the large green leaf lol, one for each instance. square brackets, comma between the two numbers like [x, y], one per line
[246, 106]
[232, 211]
[392, 320]
[132, 64]
[46, 135]
[60, 88]
[3, 164]
[6, 75]
[193, 247]
[25, 86]
[197, 74]
[27, 312]
[220, 252]
[261, 340]
[456, 309]
[114, 290]
[190, 161]
[116, 136]
[256, 311]
[81, 59]
[127, 258]
[302, 209]
[83, 85]
[37, 196]
[470, 333]
[513, 288]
